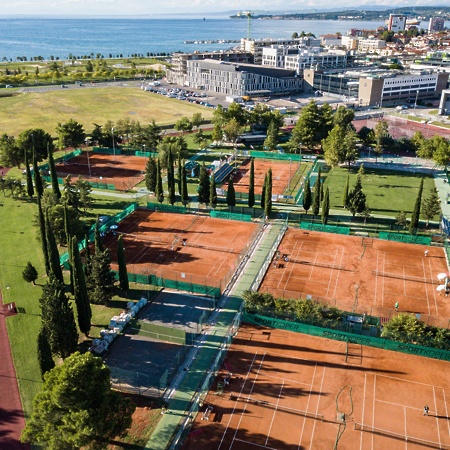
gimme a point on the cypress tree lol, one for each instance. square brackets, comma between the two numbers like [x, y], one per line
[43, 235]
[184, 187]
[98, 244]
[53, 174]
[37, 179]
[58, 319]
[212, 192]
[357, 198]
[203, 185]
[101, 281]
[150, 175]
[171, 178]
[263, 192]
[30, 273]
[180, 174]
[268, 195]
[159, 192]
[326, 207]
[44, 352]
[251, 185]
[414, 224]
[307, 197]
[80, 291]
[316, 199]
[67, 225]
[231, 193]
[345, 193]
[319, 179]
[123, 274]
[30, 187]
[53, 254]
[87, 258]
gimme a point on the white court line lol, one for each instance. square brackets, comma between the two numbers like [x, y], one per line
[434, 290]
[274, 413]
[292, 268]
[405, 381]
[374, 401]
[245, 406]
[363, 406]
[446, 412]
[307, 406]
[331, 276]
[286, 379]
[399, 404]
[404, 281]
[376, 283]
[235, 404]
[426, 287]
[382, 282]
[256, 445]
[338, 273]
[317, 408]
[406, 429]
[436, 414]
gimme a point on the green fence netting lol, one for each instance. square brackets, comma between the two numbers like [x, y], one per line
[369, 341]
[166, 208]
[324, 228]
[159, 332]
[406, 238]
[230, 216]
[275, 156]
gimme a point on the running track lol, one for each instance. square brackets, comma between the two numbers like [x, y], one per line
[11, 414]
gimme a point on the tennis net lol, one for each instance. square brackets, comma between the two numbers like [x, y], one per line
[402, 437]
[399, 276]
[267, 404]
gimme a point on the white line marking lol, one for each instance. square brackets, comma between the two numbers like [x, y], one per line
[274, 413]
[256, 445]
[436, 413]
[317, 408]
[307, 405]
[363, 406]
[374, 401]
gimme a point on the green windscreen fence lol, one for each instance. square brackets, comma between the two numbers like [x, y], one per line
[159, 332]
[230, 216]
[107, 151]
[324, 228]
[406, 238]
[328, 333]
[276, 156]
[166, 208]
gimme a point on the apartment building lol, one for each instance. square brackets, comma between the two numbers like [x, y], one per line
[396, 22]
[436, 24]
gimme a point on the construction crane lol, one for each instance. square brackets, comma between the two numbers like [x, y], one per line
[249, 15]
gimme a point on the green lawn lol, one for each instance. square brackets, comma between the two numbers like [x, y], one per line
[91, 105]
[388, 192]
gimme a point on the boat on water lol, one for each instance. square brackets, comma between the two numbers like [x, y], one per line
[412, 22]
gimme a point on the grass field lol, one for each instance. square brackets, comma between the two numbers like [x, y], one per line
[388, 192]
[91, 105]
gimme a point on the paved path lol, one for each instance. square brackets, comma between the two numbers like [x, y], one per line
[11, 413]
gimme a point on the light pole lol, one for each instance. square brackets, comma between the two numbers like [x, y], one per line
[415, 103]
[89, 163]
[114, 145]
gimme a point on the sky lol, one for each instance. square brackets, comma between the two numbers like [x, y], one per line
[150, 8]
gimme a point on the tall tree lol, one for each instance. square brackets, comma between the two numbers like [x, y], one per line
[70, 195]
[122, 263]
[53, 174]
[30, 273]
[52, 250]
[203, 185]
[30, 188]
[98, 244]
[306, 131]
[11, 155]
[34, 142]
[212, 191]
[180, 173]
[171, 178]
[345, 193]
[44, 353]
[263, 192]
[326, 207]
[70, 134]
[307, 198]
[43, 236]
[80, 292]
[251, 185]
[197, 120]
[76, 407]
[231, 193]
[268, 194]
[381, 135]
[414, 223]
[101, 280]
[84, 191]
[356, 198]
[58, 319]
[316, 198]
[150, 175]
[184, 187]
[431, 206]
[159, 192]
[38, 184]
[271, 140]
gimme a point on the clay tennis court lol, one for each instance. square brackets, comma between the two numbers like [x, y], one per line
[293, 391]
[361, 274]
[122, 171]
[282, 173]
[191, 248]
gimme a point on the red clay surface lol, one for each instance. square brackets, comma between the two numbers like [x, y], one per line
[354, 273]
[282, 172]
[294, 373]
[123, 171]
[399, 127]
[12, 419]
[153, 243]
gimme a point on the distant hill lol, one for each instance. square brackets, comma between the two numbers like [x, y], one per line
[424, 12]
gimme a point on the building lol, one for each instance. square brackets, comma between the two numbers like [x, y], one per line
[178, 70]
[377, 87]
[241, 79]
[444, 104]
[331, 40]
[370, 45]
[396, 22]
[436, 24]
[349, 42]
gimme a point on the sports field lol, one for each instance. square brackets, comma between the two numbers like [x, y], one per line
[282, 173]
[361, 274]
[293, 391]
[182, 247]
[124, 172]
